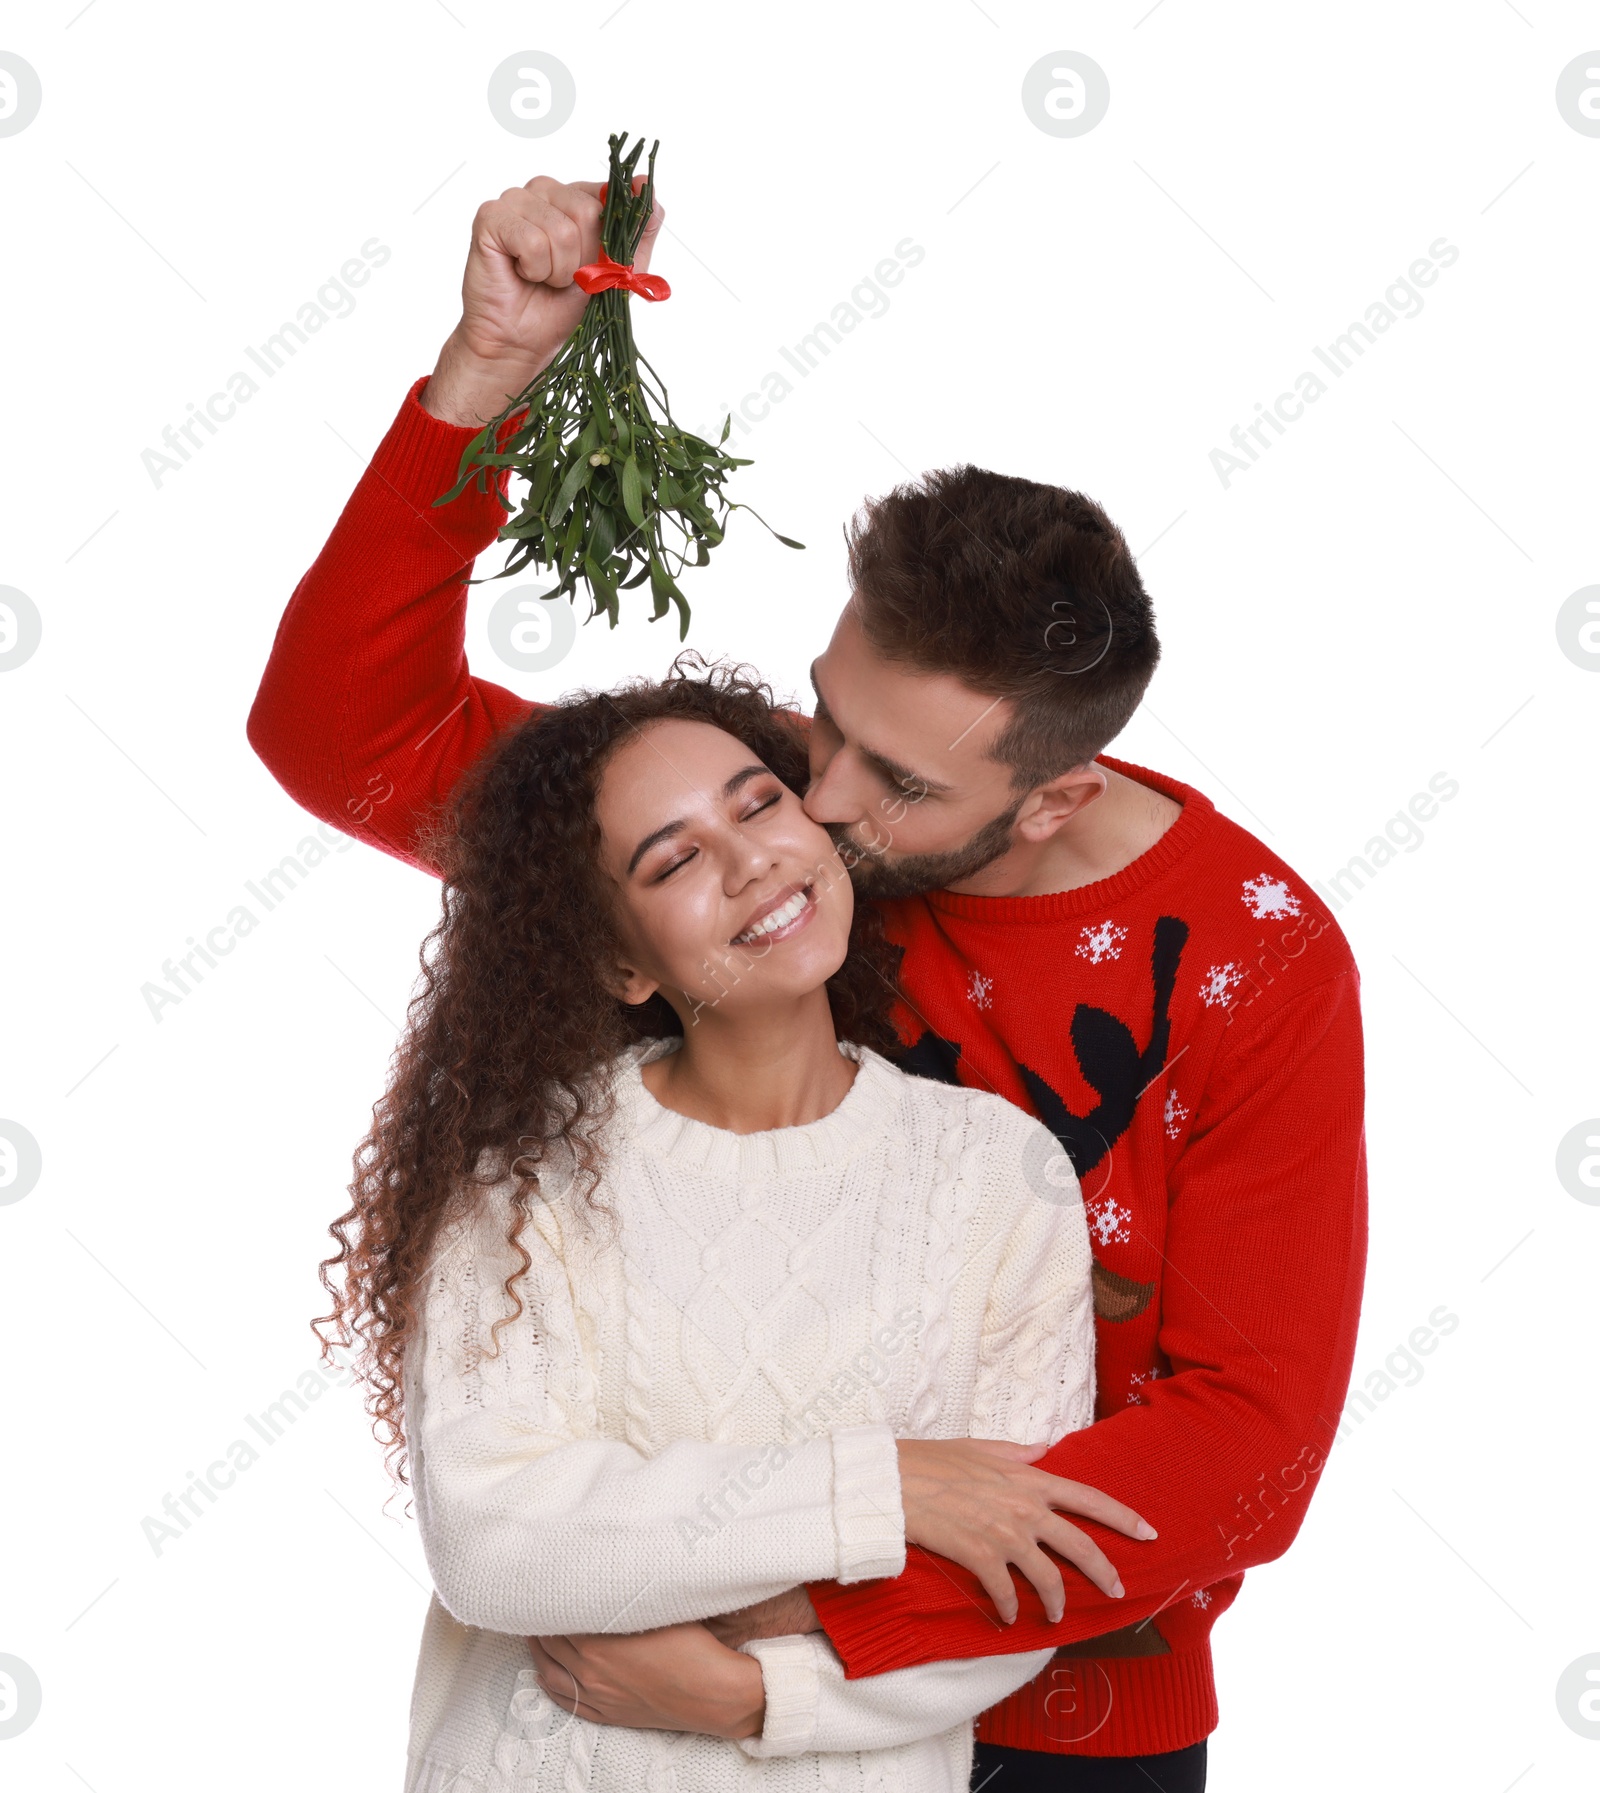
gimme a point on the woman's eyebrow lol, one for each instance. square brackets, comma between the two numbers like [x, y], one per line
[665, 832]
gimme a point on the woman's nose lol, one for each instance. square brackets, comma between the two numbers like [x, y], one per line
[748, 860]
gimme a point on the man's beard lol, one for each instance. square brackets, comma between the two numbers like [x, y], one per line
[913, 873]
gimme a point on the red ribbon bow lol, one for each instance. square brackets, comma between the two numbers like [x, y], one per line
[605, 273]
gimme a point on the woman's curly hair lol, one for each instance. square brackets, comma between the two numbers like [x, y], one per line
[512, 1016]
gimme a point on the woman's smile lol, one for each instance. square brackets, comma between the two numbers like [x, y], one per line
[781, 917]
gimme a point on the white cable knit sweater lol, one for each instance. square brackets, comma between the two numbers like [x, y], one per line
[697, 1409]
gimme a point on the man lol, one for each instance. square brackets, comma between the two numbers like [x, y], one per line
[1087, 937]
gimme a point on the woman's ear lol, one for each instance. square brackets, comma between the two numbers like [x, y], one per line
[630, 986]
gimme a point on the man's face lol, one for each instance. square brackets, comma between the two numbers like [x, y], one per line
[900, 771]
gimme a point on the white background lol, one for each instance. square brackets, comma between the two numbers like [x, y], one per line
[1373, 603]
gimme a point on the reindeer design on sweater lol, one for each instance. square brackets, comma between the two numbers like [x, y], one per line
[1114, 1066]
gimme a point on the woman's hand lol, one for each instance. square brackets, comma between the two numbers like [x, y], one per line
[519, 302]
[977, 1502]
[676, 1679]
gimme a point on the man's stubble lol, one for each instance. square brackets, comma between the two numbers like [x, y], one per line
[914, 874]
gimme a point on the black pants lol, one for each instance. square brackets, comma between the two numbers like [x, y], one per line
[1000, 1770]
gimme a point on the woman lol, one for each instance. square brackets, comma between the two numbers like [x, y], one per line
[653, 1254]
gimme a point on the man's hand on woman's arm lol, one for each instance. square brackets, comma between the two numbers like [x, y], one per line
[980, 1503]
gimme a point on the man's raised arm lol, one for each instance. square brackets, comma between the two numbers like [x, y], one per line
[367, 714]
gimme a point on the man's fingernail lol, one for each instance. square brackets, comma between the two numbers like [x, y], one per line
[1147, 1530]
[1116, 1590]
[1055, 1618]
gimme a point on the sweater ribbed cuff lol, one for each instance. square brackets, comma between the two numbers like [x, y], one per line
[419, 460]
[789, 1676]
[867, 1513]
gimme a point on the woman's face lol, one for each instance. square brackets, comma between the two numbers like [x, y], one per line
[727, 893]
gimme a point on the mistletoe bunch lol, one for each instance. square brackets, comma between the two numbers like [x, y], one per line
[617, 493]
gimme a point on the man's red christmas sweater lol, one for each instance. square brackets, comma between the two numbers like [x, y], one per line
[1188, 1028]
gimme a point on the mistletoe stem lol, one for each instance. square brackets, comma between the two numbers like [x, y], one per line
[606, 474]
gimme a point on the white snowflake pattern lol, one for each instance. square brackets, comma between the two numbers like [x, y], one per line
[1219, 984]
[1102, 941]
[1201, 1598]
[1269, 899]
[978, 988]
[1108, 1222]
[1174, 1114]
[1141, 1379]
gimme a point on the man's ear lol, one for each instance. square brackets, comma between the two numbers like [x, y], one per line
[1049, 806]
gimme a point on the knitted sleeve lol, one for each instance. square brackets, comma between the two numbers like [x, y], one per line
[367, 714]
[811, 1706]
[534, 1525]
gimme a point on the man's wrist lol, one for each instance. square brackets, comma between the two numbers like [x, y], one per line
[466, 390]
[784, 1615]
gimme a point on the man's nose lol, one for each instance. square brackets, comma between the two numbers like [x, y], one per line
[827, 798]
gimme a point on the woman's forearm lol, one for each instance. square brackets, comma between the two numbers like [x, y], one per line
[591, 1536]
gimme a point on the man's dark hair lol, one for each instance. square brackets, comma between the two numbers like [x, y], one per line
[1020, 590]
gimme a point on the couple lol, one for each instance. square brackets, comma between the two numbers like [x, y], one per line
[721, 1247]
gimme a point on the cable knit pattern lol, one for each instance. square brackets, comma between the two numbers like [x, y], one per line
[636, 1402]
[697, 1408]
[1015, 1396]
[580, 1756]
[949, 1210]
[891, 1211]
[550, 1293]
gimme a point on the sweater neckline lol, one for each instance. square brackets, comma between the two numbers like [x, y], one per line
[1059, 905]
[867, 1106]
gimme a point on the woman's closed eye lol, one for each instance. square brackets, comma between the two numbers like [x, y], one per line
[667, 872]
[755, 810]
